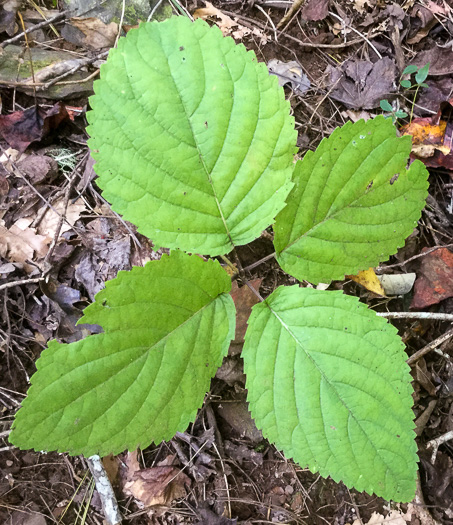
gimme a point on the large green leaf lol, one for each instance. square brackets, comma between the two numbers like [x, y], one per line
[192, 137]
[328, 384]
[353, 203]
[167, 327]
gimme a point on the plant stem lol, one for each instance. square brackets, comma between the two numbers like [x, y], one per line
[413, 103]
[257, 263]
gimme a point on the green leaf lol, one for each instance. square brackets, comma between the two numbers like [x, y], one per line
[192, 137]
[400, 114]
[406, 83]
[353, 203]
[408, 70]
[328, 384]
[385, 105]
[424, 84]
[167, 327]
[422, 73]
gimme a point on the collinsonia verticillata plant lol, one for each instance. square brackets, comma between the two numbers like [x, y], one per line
[194, 144]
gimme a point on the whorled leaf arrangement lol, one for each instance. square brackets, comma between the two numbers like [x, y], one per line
[194, 144]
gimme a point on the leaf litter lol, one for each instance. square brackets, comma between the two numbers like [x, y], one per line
[87, 254]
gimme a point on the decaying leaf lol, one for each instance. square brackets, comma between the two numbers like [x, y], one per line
[369, 280]
[435, 279]
[21, 243]
[49, 223]
[439, 59]
[243, 299]
[227, 24]
[362, 84]
[91, 33]
[315, 10]
[432, 137]
[21, 128]
[156, 485]
[397, 284]
[289, 73]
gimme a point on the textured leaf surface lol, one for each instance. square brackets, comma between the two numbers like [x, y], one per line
[167, 327]
[328, 384]
[192, 137]
[353, 203]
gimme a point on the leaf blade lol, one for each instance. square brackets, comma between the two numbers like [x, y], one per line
[322, 389]
[189, 171]
[140, 380]
[353, 203]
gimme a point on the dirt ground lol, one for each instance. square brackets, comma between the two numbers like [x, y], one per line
[231, 474]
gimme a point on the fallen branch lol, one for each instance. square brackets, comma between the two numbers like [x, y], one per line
[435, 444]
[42, 24]
[431, 346]
[105, 490]
[432, 316]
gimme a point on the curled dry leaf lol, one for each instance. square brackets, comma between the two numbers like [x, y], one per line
[397, 284]
[289, 73]
[369, 280]
[156, 485]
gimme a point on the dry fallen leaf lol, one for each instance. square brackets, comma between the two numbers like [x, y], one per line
[226, 24]
[434, 279]
[155, 485]
[394, 517]
[397, 284]
[362, 84]
[243, 299]
[289, 73]
[90, 32]
[369, 280]
[20, 243]
[49, 223]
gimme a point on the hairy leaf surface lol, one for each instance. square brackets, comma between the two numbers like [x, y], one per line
[328, 384]
[167, 327]
[192, 137]
[353, 203]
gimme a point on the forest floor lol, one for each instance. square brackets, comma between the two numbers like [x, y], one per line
[337, 61]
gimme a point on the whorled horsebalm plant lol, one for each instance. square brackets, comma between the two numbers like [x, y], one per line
[194, 144]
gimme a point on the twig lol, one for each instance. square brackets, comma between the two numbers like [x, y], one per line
[5, 433]
[431, 346]
[292, 11]
[261, 261]
[82, 62]
[250, 22]
[104, 487]
[270, 20]
[154, 9]
[357, 32]
[433, 249]
[435, 444]
[120, 28]
[42, 24]
[12, 284]
[417, 315]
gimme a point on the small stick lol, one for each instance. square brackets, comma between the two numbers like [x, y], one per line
[12, 284]
[292, 11]
[435, 444]
[104, 487]
[430, 250]
[357, 32]
[42, 24]
[431, 346]
[5, 433]
[417, 315]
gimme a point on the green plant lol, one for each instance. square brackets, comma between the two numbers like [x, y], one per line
[194, 144]
[420, 76]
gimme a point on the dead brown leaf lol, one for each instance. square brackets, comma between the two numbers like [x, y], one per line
[315, 10]
[369, 280]
[21, 128]
[243, 299]
[434, 280]
[362, 84]
[227, 24]
[440, 60]
[155, 485]
[21, 243]
[90, 33]
[49, 223]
